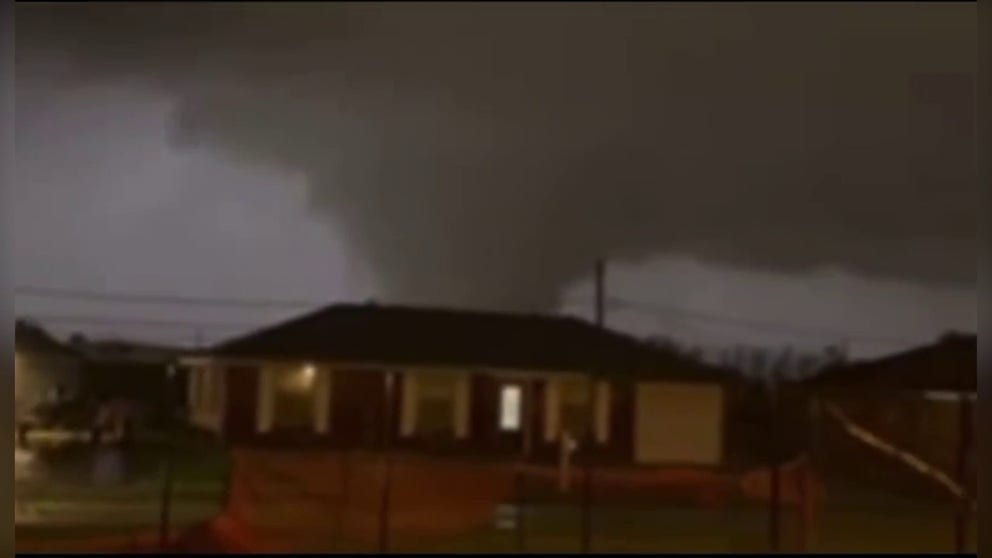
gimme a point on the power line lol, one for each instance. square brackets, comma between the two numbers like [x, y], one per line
[668, 311]
[114, 321]
[617, 302]
[147, 298]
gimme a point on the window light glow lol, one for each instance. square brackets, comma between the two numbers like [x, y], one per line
[308, 374]
[510, 405]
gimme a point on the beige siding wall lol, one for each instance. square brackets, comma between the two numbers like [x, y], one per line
[678, 423]
[322, 386]
[205, 397]
[266, 399]
[322, 410]
[575, 389]
[449, 384]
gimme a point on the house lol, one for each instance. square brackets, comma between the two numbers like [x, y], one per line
[128, 371]
[45, 370]
[949, 365]
[354, 376]
[920, 402]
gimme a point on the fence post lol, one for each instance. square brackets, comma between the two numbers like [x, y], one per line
[586, 471]
[963, 509]
[345, 502]
[165, 509]
[387, 484]
[775, 473]
[385, 508]
[521, 502]
[526, 451]
[810, 476]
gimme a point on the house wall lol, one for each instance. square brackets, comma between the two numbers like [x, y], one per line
[420, 385]
[35, 375]
[240, 403]
[317, 379]
[358, 407]
[678, 423]
[610, 417]
[655, 422]
[205, 392]
[561, 390]
[346, 405]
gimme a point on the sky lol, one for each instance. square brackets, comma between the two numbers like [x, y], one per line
[769, 174]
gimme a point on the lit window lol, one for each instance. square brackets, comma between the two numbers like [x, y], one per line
[510, 403]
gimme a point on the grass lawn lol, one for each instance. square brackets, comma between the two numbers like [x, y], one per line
[613, 530]
[859, 519]
[61, 501]
[733, 531]
[851, 520]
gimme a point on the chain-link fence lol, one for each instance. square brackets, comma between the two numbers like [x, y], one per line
[311, 501]
[803, 471]
[85, 497]
[898, 471]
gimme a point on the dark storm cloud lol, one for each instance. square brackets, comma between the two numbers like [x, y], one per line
[487, 154]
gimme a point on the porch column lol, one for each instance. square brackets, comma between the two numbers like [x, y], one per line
[408, 405]
[461, 414]
[552, 409]
[602, 412]
[322, 401]
[266, 400]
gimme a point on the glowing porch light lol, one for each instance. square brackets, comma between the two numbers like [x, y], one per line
[307, 375]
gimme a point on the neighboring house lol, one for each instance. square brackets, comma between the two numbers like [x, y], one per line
[949, 365]
[127, 371]
[921, 401]
[45, 370]
[449, 381]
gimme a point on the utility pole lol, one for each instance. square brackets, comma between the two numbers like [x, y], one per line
[600, 293]
[590, 437]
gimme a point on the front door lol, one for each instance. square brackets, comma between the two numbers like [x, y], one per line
[359, 406]
[241, 386]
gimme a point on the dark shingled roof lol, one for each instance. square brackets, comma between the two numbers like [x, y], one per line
[950, 364]
[424, 336]
[31, 338]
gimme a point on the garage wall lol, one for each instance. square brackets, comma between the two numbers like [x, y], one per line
[678, 423]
